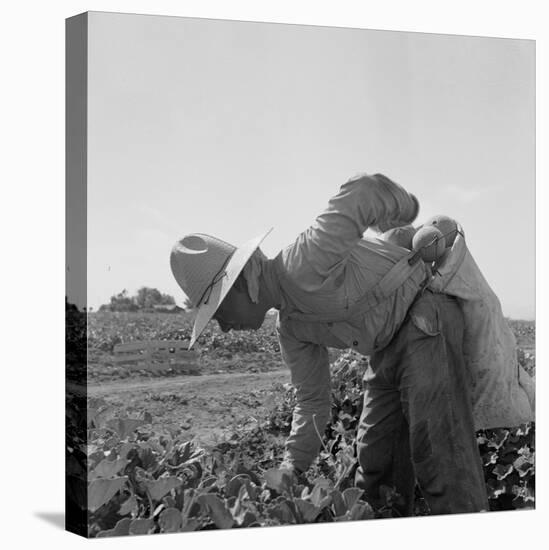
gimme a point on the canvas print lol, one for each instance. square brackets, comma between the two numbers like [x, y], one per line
[300, 274]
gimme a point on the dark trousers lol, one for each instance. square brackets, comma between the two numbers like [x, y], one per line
[417, 421]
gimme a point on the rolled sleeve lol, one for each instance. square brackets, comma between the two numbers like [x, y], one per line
[310, 375]
[362, 202]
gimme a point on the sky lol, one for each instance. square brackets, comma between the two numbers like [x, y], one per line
[231, 128]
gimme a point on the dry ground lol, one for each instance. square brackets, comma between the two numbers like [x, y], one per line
[207, 407]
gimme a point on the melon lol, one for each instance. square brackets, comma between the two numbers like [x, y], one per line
[401, 236]
[430, 243]
[447, 226]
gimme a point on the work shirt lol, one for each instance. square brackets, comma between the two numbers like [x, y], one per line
[336, 288]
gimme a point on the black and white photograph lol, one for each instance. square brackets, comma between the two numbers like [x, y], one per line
[274, 274]
[300, 277]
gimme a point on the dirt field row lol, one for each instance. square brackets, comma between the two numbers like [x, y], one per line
[206, 407]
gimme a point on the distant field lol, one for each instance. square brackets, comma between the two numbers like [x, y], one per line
[246, 351]
[525, 333]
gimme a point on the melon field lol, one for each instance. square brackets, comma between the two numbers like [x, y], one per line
[194, 449]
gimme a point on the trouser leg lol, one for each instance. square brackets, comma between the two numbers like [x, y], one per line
[311, 412]
[424, 365]
[383, 446]
[435, 395]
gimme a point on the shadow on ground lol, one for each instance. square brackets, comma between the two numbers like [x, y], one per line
[57, 519]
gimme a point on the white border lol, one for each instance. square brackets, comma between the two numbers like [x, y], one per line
[32, 106]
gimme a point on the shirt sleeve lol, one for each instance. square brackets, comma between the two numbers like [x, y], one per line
[310, 375]
[362, 202]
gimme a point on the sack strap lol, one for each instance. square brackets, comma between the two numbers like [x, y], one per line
[401, 272]
[461, 250]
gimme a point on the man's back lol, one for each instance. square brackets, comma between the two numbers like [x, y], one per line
[346, 300]
[331, 265]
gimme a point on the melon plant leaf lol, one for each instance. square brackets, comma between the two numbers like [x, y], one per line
[498, 438]
[122, 528]
[282, 512]
[320, 493]
[247, 519]
[251, 489]
[183, 452]
[125, 426]
[108, 468]
[361, 510]
[147, 457]
[523, 429]
[351, 496]
[207, 482]
[523, 465]
[141, 526]
[308, 511]
[501, 471]
[278, 479]
[170, 520]
[125, 448]
[100, 491]
[495, 488]
[189, 525]
[339, 506]
[160, 487]
[128, 506]
[490, 458]
[233, 486]
[323, 483]
[92, 413]
[217, 510]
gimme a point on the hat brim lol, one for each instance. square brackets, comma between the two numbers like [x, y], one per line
[232, 270]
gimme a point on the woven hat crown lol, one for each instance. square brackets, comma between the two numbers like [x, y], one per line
[195, 261]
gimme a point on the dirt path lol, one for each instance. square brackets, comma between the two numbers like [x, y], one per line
[210, 383]
[207, 408]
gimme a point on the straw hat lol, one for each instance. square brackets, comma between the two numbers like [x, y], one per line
[206, 268]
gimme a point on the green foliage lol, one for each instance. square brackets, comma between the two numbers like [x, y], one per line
[106, 329]
[120, 302]
[142, 481]
[146, 482]
[145, 300]
[508, 457]
[188, 304]
[508, 454]
[75, 343]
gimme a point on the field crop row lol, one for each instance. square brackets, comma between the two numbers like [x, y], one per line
[143, 480]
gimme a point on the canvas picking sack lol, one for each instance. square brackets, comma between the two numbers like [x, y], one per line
[503, 392]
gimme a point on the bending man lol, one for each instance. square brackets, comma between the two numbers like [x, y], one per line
[335, 288]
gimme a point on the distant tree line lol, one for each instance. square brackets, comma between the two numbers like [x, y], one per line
[146, 299]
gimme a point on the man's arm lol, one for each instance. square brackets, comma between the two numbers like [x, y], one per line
[362, 202]
[310, 375]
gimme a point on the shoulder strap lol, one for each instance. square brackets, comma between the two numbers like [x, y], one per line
[392, 280]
